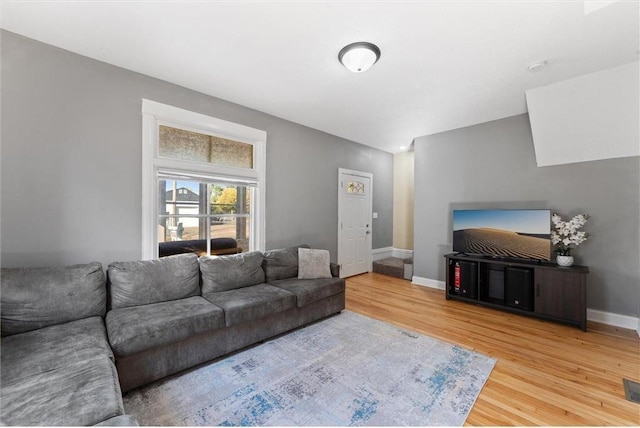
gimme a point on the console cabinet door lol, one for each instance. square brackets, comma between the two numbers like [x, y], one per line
[559, 294]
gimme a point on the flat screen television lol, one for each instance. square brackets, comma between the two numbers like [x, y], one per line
[520, 234]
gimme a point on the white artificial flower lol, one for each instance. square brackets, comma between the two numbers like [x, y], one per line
[568, 233]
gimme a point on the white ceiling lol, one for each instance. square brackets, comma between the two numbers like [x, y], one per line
[444, 65]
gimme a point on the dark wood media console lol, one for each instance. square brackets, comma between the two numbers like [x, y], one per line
[537, 289]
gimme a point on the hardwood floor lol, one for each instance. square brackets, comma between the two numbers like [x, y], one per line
[546, 373]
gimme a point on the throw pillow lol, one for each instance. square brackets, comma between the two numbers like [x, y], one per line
[313, 264]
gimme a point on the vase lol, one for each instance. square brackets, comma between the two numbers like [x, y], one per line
[565, 261]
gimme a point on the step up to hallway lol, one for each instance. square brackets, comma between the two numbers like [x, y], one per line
[394, 266]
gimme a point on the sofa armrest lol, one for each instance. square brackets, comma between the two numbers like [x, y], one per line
[335, 270]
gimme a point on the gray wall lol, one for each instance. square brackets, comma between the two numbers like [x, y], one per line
[493, 165]
[71, 162]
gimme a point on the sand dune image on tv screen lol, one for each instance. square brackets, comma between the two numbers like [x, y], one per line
[504, 243]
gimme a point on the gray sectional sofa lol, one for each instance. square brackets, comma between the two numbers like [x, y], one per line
[64, 364]
[57, 366]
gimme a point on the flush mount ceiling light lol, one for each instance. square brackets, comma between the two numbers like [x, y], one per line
[359, 56]
[536, 66]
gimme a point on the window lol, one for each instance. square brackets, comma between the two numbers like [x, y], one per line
[203, 178]
[174, 143]
[355, 187]
[203, 210]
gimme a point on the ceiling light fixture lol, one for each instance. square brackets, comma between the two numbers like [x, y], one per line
[359, 56]
[536, 66]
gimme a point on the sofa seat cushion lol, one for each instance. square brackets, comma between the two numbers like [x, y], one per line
[143, 327]
[26, 354]
[251, 303]
[34, 298]
[82, 393]
[308, 291]
[153, 281]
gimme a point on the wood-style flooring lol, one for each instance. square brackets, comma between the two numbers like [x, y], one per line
[546, 373]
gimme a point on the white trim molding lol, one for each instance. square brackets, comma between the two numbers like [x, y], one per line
[381, 253]
[615, 320]
[401, 253]
[427, 282]
[384, 252]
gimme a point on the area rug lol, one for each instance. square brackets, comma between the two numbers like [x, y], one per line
[347, 370]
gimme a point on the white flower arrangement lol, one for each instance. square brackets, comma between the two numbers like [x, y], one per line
[567, 233]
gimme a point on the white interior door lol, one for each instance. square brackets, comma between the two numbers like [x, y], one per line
[354, 222]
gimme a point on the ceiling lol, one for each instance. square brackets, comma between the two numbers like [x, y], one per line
[444, 65]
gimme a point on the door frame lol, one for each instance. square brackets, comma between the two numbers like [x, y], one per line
[368, 250]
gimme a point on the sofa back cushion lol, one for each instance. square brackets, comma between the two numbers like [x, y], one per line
[229, 272]
[153, 281]
[34, 298]
[281, 263]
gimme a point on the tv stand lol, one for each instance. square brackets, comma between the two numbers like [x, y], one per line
[534, 288]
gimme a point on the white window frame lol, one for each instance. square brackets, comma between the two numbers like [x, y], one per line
[155, 114]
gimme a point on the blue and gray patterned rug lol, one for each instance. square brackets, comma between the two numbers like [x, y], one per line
[343, 371]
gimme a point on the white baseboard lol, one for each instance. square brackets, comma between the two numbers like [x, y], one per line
[381, 253]
[401, 253]
[616, 320]
[427, 282]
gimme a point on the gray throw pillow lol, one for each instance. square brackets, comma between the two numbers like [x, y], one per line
[153, 281]
[313, 264]
[225, 273]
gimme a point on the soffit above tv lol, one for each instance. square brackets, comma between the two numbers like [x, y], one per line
[587, 118]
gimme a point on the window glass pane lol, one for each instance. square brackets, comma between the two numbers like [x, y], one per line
[243, 226]
[355, 187]
[230, 213]
[181, 207]
[236, 227]
[189, 209]
[180, 229]
[187, 145]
